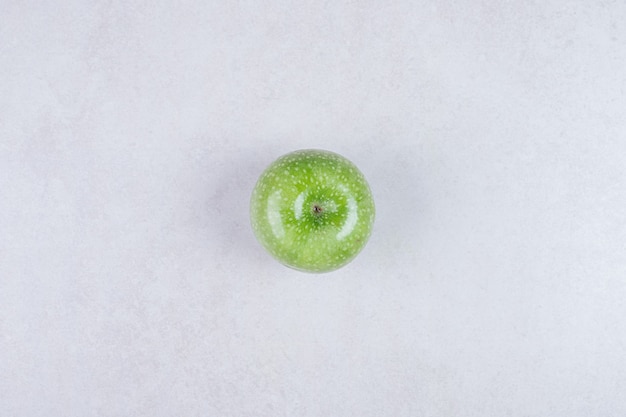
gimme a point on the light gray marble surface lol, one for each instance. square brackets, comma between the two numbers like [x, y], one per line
[494, 138]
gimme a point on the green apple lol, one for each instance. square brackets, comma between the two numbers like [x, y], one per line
[312, 210]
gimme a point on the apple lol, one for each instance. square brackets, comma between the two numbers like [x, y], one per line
[312, 210]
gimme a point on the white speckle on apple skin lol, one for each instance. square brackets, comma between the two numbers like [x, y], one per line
[287, 225]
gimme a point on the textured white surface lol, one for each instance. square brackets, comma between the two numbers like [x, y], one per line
[493, 135]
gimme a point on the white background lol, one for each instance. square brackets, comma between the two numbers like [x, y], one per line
[493, 135]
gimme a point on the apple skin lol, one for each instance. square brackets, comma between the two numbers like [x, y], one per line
[312, 210]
